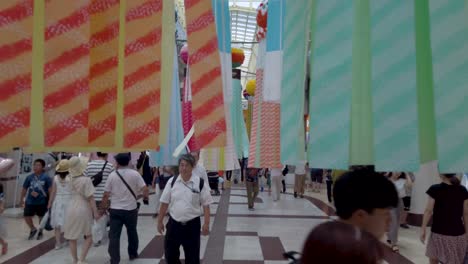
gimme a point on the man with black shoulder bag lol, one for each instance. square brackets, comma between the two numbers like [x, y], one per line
[122, 189]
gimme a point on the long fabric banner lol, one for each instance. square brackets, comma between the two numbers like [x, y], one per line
[95, 79]
[295, 38]
[223, 158]
[394, 89]
[205, 75]
[330, 87]
[265, 147]
[449, 39]
[16, 37]
[175, 132]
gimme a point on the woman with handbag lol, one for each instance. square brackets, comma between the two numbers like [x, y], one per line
[82, 209]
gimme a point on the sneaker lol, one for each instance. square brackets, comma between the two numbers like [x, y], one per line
[58, 247]
[405, 226]
[133, 257]
[97, 244]
[32, 234]
[251, 209]
[39, 235]
[295, 194]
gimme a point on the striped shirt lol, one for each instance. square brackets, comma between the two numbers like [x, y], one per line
[94, 167]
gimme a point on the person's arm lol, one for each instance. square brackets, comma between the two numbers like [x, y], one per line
[408, 182]
[105, 201]
[427, 216]
[145, 192]
[206, 221]
[140, 161]
[92, 204]
[162, 212]
[52, 195]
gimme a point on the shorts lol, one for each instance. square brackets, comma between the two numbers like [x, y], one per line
[317, 178]
[406, 203]
[35, 209]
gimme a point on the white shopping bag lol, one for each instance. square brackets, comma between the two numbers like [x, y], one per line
[45, 222]
[99, 228]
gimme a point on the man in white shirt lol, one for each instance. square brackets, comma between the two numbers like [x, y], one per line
[122, 186]
[276, 174]
[299, 179]
[184, 196]
[199, 170]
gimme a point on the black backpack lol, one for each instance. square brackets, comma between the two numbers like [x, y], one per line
[97, 179]
[200, 187]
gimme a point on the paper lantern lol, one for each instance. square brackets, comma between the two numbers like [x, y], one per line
[237, 57]
[262, 17]
[5, 165]
[250, 87]
[184, 53]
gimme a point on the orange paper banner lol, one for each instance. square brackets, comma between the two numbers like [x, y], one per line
[142, 84]
[66, 73]
[205, 75]
[104, 44]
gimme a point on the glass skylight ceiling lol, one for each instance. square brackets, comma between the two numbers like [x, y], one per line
[243, 28]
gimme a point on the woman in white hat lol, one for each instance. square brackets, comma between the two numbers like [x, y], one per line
[82, 208]
[60, 199]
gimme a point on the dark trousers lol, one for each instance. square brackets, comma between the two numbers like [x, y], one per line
[329, 190]
[119, 218]
[283, 182]
[228, 175]
[187, 235]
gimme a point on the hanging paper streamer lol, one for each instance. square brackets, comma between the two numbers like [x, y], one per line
[66, 73]
[295, 38]
[237, 117]
[265, 141]
[187, 114]
[175, 133]
[394, 85]
[104, 46]
[142, 85]
[16, 27]
[224, 158]
[449, 39]
[330, 88]
[205, 75]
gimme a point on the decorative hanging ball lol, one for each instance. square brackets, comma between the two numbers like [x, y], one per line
[184, 53]
[237, 57]
[262, 17]
[250, 87]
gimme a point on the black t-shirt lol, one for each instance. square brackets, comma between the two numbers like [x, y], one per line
[448, 209]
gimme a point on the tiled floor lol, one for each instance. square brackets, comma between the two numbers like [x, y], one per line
[238, 235]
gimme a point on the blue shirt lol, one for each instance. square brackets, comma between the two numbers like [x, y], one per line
[39, 184]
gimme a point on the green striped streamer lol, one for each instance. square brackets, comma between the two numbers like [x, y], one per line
[295, 39]
[236, 116]
[361, 148]
[394, 91]
[449, 42]
[331, 78]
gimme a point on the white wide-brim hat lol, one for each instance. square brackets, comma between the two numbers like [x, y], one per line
[77, 166]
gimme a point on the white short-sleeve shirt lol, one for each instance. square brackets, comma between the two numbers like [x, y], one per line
[300, 168]
[276, 172]
[121, 198]
[185, 199]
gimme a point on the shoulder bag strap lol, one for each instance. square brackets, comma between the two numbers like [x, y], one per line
[104, 167]
[126, 184]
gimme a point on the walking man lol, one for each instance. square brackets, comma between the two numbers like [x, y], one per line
[99, 170]
[35, 196]
[183, 196]
[276, 182]
[299, 179]
[252, 186]
[122, 188]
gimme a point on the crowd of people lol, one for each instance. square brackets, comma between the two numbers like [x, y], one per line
[92, 199]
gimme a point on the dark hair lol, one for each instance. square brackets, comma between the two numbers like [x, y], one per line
[338, 242]
[402, 176]
[365, 190]
[1, 188]
[41, 161]
[123, 159]
[101, 154]
[452, 177]
[62, 175]
[188, 158]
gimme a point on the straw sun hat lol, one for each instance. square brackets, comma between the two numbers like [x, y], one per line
[77, 166]
[63, 166]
